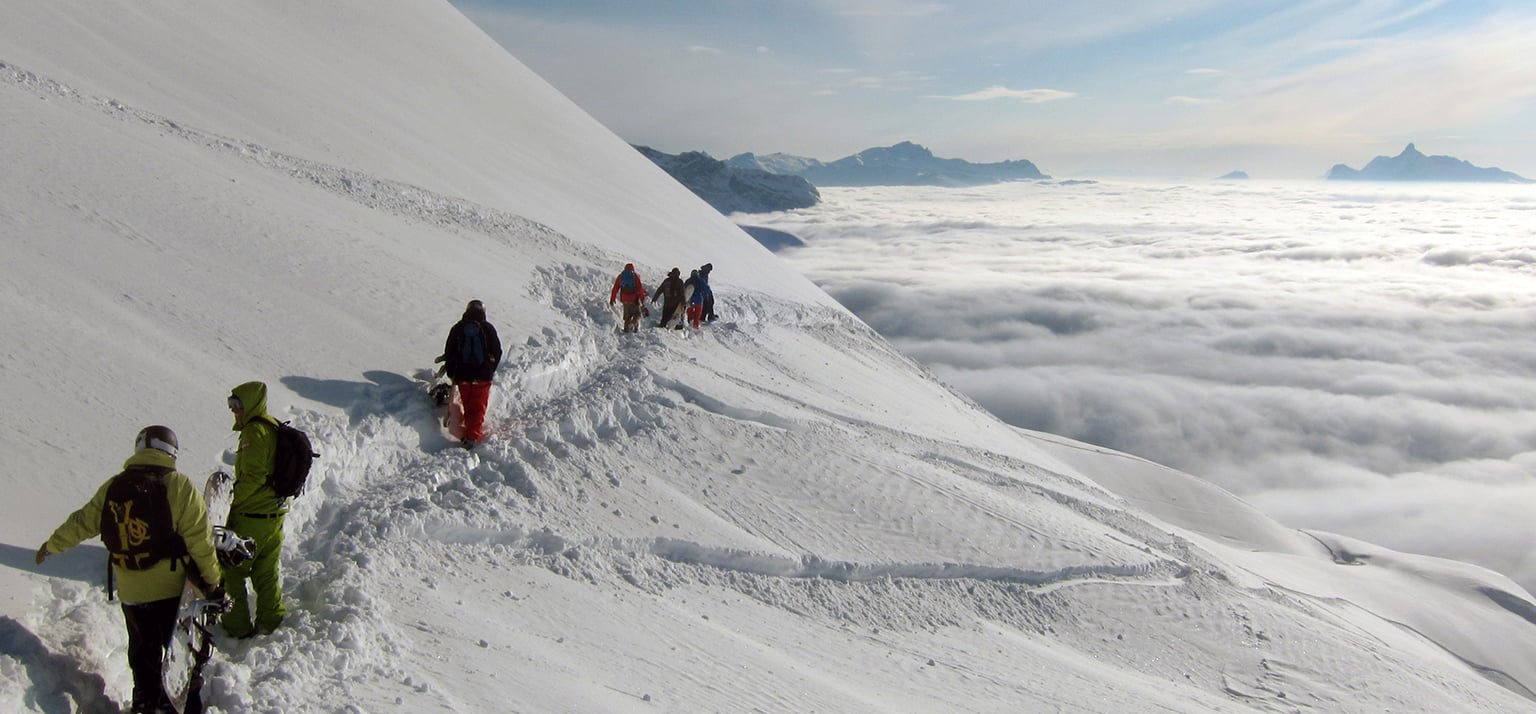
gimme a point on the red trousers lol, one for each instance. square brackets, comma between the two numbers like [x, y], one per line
[474, 396]
[695, 313]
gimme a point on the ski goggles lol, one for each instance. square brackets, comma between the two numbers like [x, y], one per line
[151, 442]
[235, 405]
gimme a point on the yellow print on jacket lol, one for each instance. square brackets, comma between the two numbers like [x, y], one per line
[131, 533]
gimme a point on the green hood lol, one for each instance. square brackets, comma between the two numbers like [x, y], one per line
[254, 396]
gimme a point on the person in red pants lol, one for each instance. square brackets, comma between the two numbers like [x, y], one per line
[470, 356]
[697, 289]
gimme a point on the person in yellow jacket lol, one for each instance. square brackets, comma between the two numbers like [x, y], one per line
[257, 513]
[150, 561]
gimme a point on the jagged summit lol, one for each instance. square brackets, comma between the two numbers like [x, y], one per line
[733, 189]
[900, 152]
[777, 163]
[1413, 165]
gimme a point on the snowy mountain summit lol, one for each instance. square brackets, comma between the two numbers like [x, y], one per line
[731, 189]
[1414, 165]
[779, 512]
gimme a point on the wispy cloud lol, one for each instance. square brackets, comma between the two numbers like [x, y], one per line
[1324, 82]
[1193, 101]
[1033, 96]
[705, 50]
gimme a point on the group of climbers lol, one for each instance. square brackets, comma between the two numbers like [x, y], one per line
[688, 300]
[152, 576]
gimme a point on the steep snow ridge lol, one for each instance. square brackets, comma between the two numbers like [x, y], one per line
[400, 199]
[361, 84]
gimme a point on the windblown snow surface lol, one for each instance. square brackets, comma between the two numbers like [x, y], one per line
[778, 513]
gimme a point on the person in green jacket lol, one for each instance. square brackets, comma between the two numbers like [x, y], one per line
[255, 512]
[150, 572]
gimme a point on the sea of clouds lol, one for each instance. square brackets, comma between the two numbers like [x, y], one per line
[1357, 358]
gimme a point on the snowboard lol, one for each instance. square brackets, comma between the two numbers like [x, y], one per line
[181, 669]
[618, 316]
[438, 387]
[453, 415]
[685, 309]
[676, 314]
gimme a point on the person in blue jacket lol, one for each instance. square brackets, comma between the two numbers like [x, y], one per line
[697, 289]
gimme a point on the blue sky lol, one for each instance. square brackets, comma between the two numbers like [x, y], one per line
[1134, 87]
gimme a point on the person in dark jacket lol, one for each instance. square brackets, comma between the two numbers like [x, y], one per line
[150, 590]
[672, 290]
[709, 294]
[471, 356]
[629, 291]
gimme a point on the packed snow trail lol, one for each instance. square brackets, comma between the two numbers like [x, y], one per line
[604, 442]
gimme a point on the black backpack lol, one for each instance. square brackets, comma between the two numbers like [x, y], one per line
[290, 465]
[472, 348]
[136, 522]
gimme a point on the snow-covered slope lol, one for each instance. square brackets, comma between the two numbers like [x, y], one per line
[780, 513]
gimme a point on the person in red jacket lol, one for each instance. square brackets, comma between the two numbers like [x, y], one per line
[628, 290]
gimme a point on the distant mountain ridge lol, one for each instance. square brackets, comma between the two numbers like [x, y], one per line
[903, 164]
[734, 189]
[1413, 165]
[773, 163]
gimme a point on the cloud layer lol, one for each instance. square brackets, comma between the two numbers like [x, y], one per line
[1356, 358]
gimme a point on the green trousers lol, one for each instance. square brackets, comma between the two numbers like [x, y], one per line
[263, 574]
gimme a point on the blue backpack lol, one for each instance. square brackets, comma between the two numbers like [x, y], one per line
[472, 349]
[627, 280]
